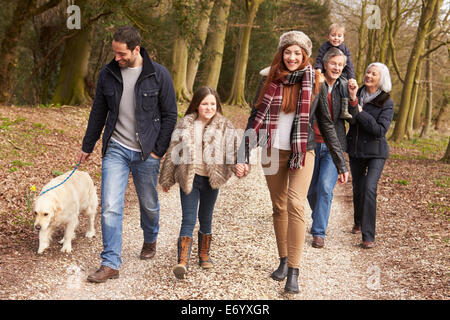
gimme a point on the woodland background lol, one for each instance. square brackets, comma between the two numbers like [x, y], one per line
[48, 76]
[224, 44]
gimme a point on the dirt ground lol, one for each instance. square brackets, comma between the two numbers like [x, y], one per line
[410, 260]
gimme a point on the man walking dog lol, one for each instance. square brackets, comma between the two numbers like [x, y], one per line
[135, 103]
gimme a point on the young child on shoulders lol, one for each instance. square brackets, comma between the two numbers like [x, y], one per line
[335, 37]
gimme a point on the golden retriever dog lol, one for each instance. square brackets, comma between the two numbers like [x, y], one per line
[61, 207]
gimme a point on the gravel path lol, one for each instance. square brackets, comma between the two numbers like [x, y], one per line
[243, 250]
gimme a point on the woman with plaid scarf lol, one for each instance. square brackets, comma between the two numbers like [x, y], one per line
[281, 122]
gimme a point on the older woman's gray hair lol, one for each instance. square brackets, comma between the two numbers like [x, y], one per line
[385, 83]
[333, 52]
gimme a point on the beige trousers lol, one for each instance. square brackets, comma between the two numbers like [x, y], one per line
[288, 191]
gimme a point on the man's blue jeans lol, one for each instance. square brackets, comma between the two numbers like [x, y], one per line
[320, 192]
[203, 193]
[116, 166]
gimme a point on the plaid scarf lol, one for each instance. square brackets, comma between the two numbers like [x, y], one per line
[269, 108]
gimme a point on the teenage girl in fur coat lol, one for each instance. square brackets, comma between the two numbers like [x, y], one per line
[201, 158]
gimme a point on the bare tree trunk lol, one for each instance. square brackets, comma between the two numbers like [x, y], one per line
[70, 88]
[372, 42]
[384, 46]
[8, 50]
[434, 19]
[395, 27]
[198, 43]
[446, 157]
[237, 96]
[216, 42]
[179, 68]
[413, 103]
[441, 113]
[47, 27]
[419, 43]
[362, 42]
[429, 111]
[382, 57]
[417, 123]
[184, 30]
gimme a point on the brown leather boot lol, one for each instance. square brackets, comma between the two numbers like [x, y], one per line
[148, 251]
[204, 243]
[356, 229]
[184, 253]
[367, 244]
[103, 274]
[318, 242]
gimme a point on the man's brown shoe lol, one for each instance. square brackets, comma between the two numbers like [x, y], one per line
[103, 274]
[318, 242]
[356, 229]
[148, 251]
[367, 244]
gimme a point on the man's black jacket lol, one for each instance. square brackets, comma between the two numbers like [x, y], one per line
[156, 107]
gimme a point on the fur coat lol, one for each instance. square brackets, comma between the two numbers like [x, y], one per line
[218, 149]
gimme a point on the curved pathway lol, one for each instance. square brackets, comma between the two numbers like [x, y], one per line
[243, 250]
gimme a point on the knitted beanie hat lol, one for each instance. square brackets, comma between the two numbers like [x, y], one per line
[298, 38]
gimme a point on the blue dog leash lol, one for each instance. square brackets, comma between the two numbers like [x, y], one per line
[76, 167]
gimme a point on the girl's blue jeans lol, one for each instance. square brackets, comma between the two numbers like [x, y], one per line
[201, 201]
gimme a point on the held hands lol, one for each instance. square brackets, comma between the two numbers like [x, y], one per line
[343, 178]
[241, 169]
[352, 88]
[154, 155]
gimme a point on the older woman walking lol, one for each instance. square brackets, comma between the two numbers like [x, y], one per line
[367, 147]
[283, 118]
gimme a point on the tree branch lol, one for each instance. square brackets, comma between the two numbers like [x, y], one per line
[44, 59]
[443, 43]
[56, 46]
[43, 8]
[129, 14]
[394, 59]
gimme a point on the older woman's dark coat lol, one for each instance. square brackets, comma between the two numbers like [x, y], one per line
[366, 137]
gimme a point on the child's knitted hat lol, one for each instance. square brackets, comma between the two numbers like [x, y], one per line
[298, 38]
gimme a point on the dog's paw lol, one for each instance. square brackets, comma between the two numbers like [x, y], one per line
[66, 249]
[61, 241]
[42, 247]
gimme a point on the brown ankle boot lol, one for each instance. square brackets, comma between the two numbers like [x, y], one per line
[184, 253]
[204, 243]
[148, 251]
[103, 274]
